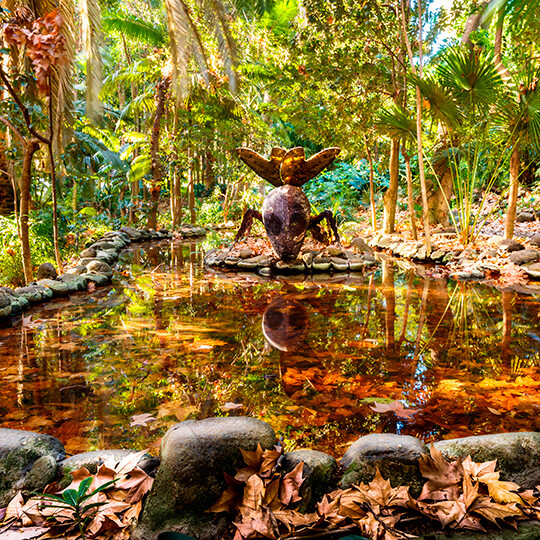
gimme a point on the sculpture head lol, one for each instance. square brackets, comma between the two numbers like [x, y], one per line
[286, 214]
[285, 323]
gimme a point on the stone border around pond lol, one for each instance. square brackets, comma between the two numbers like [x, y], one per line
[330, 260]
[94, 265]
[468, 265]
[195, 453]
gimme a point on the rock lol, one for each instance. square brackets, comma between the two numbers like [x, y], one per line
[132, 233]
[5, 305]
[525, 217]
[106, 257]
[334, 251]
[385, 241]
[535, 240]
[57, 287]
[460, 276]
[19, 450]
[77, 270]
[524, 256]
[319, 469]
[74, 282]
[517, 454]
[488, 267]
[509, 246]
[295, 267]
[231, 262]
[340, 265]
[246, 253]
[103, 245]
[97, 278]
[46, 271]
[396, 457]
[361, 245]
[533, 270]
[308, 257]
[437, 255]
[99, 267]
[356, 264]
[30, 293]
[46, 293]
[476, 273]
[421, 254]
[321, 264]
[194, 456]
[266, 271]
[43, 472]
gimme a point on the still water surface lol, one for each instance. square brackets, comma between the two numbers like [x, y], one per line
[322, 361]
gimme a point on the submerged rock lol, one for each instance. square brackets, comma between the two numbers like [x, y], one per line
[19, 450]
[396, 457]
[194, 455]
[517, 454]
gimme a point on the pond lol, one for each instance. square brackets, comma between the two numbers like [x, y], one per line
[323, 360]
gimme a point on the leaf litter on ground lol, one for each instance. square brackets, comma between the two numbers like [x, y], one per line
[263, 501]
[111, 501]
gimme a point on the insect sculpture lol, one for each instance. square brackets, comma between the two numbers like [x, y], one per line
[286, 212]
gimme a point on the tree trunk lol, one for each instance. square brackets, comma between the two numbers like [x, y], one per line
[157, 171]
[371, 187]
[440, 190]
[513, 194]
[57, 256]
[191, 184]
[410, 200]
[390, 197]
[30, 149]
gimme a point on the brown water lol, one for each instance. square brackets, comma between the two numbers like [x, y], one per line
[321, 360]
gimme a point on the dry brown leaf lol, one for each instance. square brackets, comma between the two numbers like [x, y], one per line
[139, 484]
[262, 522]
[476, 470]
[253, 493]
[127, 463]
[290, 485]
[499, 491]
[441, 475]
[14, 508]
[494, 511]
[270, 459]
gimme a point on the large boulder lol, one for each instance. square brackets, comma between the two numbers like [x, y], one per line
[74, 282]
[57, 287]
[132, 233]
[517, 454]
[194, 456]
[396, 456]
[31, 294]
[19, 450]
[525, 256]
[100, 267]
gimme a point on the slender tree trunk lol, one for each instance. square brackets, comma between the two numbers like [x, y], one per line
[30, 149]
[191, 184]
[157, 171]
[55, 209]
[390, 197]
[513, 194]
[371, 187]
[410, 200]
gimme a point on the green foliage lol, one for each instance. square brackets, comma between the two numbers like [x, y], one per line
[73, 500]
[342, 189]
[11, 270]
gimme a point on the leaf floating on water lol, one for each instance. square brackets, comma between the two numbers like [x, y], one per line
[142, 419]
[396, 407]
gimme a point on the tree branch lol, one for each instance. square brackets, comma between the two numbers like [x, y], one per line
[24, 110]
[16, 132]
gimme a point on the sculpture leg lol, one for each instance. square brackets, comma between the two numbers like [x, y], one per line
[330, 219]
[245, 226]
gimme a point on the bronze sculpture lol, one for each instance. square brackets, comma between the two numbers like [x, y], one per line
[286, 212]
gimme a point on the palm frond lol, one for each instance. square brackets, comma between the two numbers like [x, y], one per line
[471, 76]
[134, 28]
[178, 20]
[397, 124]
[92, 39]
[218, 16]
[442, 104]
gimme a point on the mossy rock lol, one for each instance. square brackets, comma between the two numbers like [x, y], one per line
[517, 454]
[194, 456]
[396, 456]
[19, 450]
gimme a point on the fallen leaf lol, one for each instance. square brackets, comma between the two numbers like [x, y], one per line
[396, 407]
[142, 419]
[290, 485]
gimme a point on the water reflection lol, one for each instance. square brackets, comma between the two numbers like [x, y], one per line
[285, 323]
[171, 340]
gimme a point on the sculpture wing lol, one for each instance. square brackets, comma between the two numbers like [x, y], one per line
[267, 169]
[296, 171]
